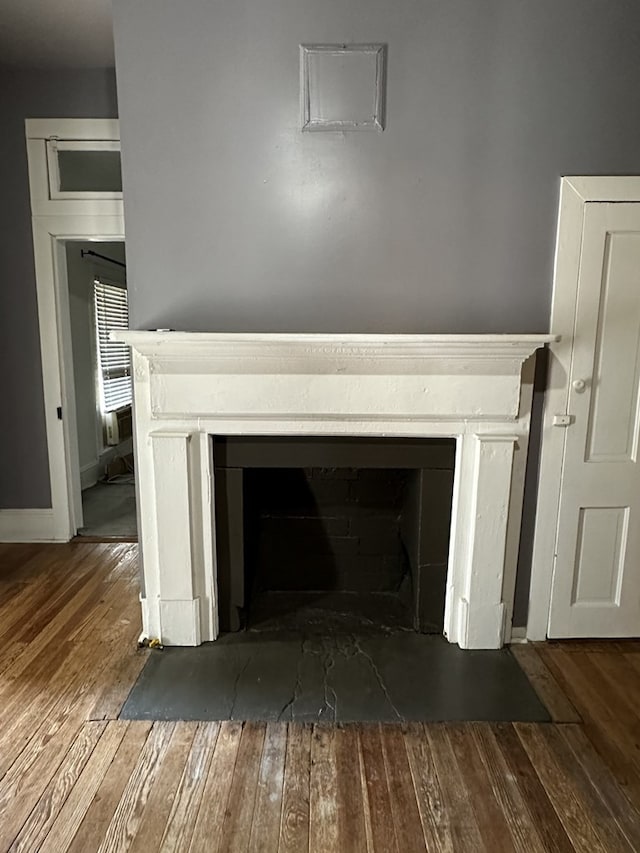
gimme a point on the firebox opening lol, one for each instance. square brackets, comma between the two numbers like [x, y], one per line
[333, 534]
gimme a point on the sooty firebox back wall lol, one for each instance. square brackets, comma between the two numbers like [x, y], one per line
[333, 531]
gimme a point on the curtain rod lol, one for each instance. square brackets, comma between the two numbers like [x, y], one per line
[84, 252]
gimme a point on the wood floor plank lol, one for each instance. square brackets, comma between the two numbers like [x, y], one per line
[97, 818]
[572, 673]
[506, 789]
[151, 828]
[28, 777]
[615, 743]
[379, 817]
[619, 675]
[46, 810]
[549, 691]
[604, 823]
[72, 813]
[69, 619]
[323, 791]
[294, 823]
[126, 819]
[42, 614]
[351, 819]
[563, 795]
[236, 830]
[464, 828]
[213, 805]
[69, 694]
[489, 804]
[618, 704]
[265, 827]
[404, 806]
[186, 803]
[626, 816]
[116, 688]
[32, 603]
[48, 651]
[534, 797]
[16, 650]
[433, 813]
[15, 556]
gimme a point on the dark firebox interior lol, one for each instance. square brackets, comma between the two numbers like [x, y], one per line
[332, 534]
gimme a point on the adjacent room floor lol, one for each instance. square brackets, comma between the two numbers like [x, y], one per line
[109, 511]
[73, 776]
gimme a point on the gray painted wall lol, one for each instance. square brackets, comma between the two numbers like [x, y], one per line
[443, 223]
[24, 471]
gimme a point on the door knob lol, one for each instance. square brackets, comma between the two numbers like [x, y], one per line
[579, 386]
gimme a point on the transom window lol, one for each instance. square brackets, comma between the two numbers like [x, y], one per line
[82, 169]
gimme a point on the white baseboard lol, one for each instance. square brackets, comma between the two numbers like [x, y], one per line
[89, 474]
[26, 525]
[94, 471]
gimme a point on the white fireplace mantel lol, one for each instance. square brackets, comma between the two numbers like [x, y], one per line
[189, 386]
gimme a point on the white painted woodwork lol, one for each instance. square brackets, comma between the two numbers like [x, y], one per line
[189, 386]
[26, 525]
[45, 199]
[576, 193]
[596, 582]
[342, 87]
[55, 221]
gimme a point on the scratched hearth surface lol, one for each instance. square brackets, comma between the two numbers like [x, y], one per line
[283, 675]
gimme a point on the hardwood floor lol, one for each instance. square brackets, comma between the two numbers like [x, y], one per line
[74, 777]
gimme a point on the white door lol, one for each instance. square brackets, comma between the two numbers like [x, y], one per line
[596, 581]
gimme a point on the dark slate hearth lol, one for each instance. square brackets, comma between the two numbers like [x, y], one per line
[370, 676]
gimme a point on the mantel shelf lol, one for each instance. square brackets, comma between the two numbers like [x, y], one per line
[292, 346]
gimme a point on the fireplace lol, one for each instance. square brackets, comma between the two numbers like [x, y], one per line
[350, 532]
[188, 387]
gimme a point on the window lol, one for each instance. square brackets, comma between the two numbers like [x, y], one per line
[114, 358]
[84, 169]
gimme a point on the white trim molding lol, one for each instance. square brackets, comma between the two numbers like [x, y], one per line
[575, 194]
[54, 221]
[27, 525]
[40, 134]
[189, 386]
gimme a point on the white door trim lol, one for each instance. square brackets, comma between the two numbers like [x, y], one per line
[53, 222]
[575, 194]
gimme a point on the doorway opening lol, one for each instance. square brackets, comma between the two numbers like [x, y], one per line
[76, 195]
[101, 382]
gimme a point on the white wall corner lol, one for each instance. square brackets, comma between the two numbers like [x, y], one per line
[27, 525]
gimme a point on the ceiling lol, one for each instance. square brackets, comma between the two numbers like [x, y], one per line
[56, 33]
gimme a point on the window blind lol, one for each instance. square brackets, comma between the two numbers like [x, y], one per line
[114, 358]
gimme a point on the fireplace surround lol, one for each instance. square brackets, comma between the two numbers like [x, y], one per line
[190, 386]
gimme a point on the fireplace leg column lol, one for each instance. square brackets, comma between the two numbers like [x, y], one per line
[173, 559]
[475, 611]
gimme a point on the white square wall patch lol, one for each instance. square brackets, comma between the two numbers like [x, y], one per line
[342, 86]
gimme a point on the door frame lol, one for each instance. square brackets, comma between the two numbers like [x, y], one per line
[575, 194]
[54, 222]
